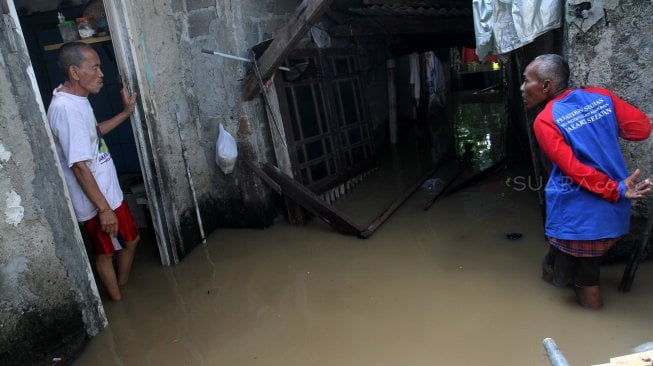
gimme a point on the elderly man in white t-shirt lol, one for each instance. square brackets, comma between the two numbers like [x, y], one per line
[87, 165]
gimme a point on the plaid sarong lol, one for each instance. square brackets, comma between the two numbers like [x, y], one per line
[583, 248]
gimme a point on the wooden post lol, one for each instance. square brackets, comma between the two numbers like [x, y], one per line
[296, 215]
[277, 130]
[392, 101]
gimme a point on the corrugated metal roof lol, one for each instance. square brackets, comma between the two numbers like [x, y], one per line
[402, 10]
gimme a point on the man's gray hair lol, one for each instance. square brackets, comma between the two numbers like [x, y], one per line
[71, 53]
[553, 67]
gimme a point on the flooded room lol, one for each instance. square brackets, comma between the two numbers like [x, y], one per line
[328, 182]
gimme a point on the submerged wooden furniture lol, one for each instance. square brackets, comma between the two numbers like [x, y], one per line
[294, 190]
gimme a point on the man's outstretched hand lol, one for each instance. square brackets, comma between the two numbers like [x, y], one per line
[637, 190]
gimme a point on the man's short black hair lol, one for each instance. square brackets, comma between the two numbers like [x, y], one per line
[71, 53]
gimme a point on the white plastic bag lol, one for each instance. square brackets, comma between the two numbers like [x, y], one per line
[226, 151]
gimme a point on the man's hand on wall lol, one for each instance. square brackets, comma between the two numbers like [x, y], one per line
[128, 101]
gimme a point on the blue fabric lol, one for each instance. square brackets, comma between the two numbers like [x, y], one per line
[589, 126]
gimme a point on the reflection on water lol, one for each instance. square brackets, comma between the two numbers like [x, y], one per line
[480, 130]
[480, 119]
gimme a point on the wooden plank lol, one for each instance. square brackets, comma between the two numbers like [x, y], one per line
[285, 40]
[277, 130]
[313, 203]
[296, 215]
[89, 40]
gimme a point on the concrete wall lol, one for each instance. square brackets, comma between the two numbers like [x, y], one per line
[611, 47]
[199, 91]
[49, 304]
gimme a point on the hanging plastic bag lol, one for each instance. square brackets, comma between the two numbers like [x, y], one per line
[226, 151]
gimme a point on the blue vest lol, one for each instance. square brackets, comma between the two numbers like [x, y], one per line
[588, 123]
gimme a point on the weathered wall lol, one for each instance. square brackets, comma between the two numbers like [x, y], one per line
[199, 91]
[48, 300]
[232, 27]
[611, 47]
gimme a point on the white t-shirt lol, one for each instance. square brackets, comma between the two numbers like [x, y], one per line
[73, 126]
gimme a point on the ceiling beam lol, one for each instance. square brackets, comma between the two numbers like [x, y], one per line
[380, 26]
[285, 40]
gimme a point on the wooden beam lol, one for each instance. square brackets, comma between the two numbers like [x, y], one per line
[311, 202]
[380, 26]
[285, 41]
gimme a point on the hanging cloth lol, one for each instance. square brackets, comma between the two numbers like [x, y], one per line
[501, 26]
[435, 83]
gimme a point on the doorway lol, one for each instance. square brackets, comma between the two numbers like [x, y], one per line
[128, 143]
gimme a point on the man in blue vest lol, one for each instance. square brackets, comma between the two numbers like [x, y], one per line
[589, 192]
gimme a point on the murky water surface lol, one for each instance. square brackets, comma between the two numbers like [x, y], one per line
[437, 287]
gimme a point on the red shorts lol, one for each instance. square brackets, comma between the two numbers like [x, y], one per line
[102, 242]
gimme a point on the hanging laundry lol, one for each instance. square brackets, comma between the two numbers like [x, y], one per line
[505, 25]
[435, 84]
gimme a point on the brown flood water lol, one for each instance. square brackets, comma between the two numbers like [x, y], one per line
[437, 287]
